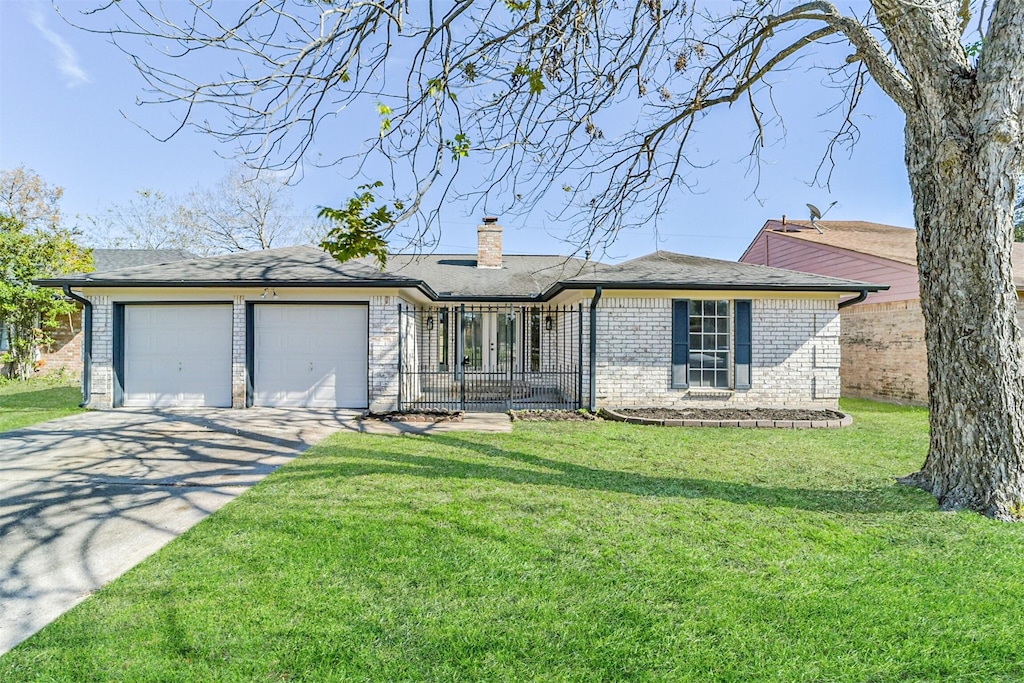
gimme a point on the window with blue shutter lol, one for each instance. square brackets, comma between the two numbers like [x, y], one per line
[741, 371]
[680, 343]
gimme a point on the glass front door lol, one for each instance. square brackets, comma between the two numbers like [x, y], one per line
[488, 341]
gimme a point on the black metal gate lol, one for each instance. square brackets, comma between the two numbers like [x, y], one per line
[490, 358]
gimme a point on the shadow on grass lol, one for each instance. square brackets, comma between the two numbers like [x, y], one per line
[880, 499]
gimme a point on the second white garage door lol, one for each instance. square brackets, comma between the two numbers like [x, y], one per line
[310, 355]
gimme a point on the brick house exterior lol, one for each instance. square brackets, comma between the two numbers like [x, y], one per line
[884, 356]
[668, 330]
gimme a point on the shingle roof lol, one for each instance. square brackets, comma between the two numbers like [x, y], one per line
[115, 259]
[297, 265]
[875, 239]
[445, 276]
[456, 275]
[666, 269]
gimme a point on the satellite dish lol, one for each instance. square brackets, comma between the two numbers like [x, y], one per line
[815, 215]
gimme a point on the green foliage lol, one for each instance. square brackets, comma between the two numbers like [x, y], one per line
[360, 230]
[459, 147]
[30, 312]
[24, 195]
[437, 88]
[384, 111]
[533, 76]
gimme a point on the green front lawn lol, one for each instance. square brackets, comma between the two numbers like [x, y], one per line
[570, 551]
[24, 403]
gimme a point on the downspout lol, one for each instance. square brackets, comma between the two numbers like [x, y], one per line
[593, 348]
[855, 300]
[86, 344]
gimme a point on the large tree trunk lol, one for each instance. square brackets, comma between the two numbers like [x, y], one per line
[963, 160]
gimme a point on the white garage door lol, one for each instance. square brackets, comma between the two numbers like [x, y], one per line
[177, 355]
[310, 355]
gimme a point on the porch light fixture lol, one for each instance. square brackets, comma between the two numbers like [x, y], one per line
[430, 323]
[548, 323]
[268, 291]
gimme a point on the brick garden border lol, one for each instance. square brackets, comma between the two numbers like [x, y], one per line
[845, 421]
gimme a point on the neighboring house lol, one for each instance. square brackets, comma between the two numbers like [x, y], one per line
[294, 327]
[883, 346]
[66, 350]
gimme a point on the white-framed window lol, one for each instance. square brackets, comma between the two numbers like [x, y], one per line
[709, 343]
[707, 349]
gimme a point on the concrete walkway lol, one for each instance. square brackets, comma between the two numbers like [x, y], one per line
[85, 498]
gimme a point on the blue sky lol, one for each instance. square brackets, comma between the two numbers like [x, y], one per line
[65, 94]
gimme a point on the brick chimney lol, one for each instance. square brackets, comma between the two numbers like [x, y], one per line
[488, 244]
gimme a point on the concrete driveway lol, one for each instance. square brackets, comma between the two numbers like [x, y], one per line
[85, 498]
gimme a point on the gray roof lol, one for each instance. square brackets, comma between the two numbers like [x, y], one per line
[669, 270]
[454, 277]
[115, 259]
[300, 265]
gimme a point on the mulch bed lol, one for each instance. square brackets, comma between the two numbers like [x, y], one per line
[551, 416]
[434, 416]
[729, 414]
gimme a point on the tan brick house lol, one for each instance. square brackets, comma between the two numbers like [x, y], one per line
[882, 340]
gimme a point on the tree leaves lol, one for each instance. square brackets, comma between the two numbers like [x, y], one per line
[27, 311]
[360, 230]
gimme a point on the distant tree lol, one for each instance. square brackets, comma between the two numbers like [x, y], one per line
[150, 220]
[33, 244]
[242, 212]
[30, 199]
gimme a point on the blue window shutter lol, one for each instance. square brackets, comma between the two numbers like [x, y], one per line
[743, 344]
[680, 343]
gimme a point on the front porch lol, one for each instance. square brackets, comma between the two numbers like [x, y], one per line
[490, 357]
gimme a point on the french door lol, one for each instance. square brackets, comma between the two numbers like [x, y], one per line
[488, 341]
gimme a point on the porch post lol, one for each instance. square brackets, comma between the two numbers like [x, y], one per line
[579, 356]
[460, 345]
[593, 348]
[510, 320]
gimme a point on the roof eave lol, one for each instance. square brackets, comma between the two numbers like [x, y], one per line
[58, 282]
[711, 286]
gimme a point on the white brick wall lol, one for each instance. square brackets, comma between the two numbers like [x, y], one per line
[383, 323]
[238, 351]
[102, 382]
[795, 356]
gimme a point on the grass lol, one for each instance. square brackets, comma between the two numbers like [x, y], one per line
[24, 403]
[569, 552]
